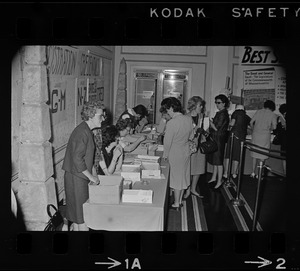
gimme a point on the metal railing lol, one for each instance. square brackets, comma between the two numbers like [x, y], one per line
[261, 150]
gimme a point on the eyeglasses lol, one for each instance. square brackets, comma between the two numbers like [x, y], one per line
[218, 102]
[101, 116]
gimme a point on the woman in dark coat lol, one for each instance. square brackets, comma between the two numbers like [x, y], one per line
[218, 129]
[78, 163]
[238, 126]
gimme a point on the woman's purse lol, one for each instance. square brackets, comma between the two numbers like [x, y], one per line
[56, 220]
[209, 145]
[277, 140]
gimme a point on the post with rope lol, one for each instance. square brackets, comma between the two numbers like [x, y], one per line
[228, 183]
[237, 201]
[260, 171]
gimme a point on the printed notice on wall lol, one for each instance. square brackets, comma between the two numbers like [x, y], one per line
[281, 91]
[259, 86]
[259, 79]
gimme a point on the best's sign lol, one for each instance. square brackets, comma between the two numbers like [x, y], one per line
[252, 55]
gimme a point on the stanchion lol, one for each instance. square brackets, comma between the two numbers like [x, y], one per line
[228, 183]
[260, 170]
[237, 201]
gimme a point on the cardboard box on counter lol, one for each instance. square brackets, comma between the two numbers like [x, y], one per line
[151, 174]
[152, 149]
[150, 166]
[131, 168]
[140, 149]
[109, 191]
[132, 176]
[151, 170]
[148, 158]
[137, 196]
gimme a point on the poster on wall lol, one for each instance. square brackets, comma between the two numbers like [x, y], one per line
[81, 94]
[259, 86]
[263, 77]
[96, 89]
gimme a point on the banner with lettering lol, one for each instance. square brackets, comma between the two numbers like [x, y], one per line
[62, 102]
[62, 61]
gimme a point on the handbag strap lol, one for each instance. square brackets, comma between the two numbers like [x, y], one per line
[202, 123]
[48, 209]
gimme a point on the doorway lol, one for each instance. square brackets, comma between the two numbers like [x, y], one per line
[151, 87]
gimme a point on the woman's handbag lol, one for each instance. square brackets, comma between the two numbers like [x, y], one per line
[209, 145]
[278, 134]
[56, 220]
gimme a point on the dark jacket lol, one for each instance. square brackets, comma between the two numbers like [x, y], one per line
[80, 151]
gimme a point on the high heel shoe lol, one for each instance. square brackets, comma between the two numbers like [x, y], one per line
[211, 181]
[252, 175]
[219, 185]
[186, 195]
[196, 195]
[176, 208]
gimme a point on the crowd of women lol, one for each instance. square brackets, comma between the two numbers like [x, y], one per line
[93, 150]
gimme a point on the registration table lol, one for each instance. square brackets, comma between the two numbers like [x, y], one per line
[132, 216]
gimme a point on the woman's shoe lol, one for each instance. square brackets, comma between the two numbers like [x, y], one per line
[197, 195]
[211, 181]
[225, 176]
[176, 208]
[218, 185]
[186, 195]
[252, 175]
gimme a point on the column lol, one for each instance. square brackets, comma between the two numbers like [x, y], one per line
[37, 186]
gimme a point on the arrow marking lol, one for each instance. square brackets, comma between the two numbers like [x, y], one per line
[263, 263]
[114, 263]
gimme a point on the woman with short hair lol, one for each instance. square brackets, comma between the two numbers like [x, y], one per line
[176, 148]
[218, 129]
[78, 163]
[196, 108]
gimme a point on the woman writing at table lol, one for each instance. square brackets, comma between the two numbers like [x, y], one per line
[176, 147]
[138, 117]
[111, 155]
[128, 141]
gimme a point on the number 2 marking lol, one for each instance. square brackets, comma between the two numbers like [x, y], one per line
[282, 261]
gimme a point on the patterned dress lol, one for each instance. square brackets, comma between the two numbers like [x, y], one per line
[98, 142]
